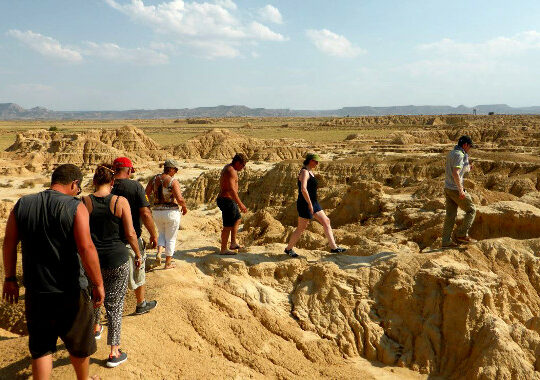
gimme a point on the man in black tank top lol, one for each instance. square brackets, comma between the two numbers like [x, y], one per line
[52, 227]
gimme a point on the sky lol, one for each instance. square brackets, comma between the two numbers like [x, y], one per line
[309, 54]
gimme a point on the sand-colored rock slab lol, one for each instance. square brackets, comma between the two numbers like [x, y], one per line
[511, 218]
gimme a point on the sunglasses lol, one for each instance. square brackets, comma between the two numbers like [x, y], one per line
[79, 190]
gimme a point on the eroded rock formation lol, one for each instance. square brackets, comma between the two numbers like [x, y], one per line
[223, 144]
[45, 149]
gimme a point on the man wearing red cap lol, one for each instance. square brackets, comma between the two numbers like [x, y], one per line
[140, 210]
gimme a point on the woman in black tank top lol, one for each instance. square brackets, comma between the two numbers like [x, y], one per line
[308, 206]
[107, 213]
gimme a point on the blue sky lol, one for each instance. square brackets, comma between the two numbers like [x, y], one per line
[126, 54]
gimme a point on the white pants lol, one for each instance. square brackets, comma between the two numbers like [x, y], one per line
[167, 223]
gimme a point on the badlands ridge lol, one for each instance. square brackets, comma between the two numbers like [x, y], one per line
[393, 306]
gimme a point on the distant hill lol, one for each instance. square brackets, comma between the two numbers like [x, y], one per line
[12, 111]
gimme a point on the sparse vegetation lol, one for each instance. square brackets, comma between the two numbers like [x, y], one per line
[28, 183]
[192, 204]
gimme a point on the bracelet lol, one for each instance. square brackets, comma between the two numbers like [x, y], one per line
[10, 279]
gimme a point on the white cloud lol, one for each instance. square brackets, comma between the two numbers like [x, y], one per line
[163, 46]
[211, 26]
[494, 58]
[226, 4]
[264, 33]
[46, 46]
[495, 48]
[333, 44]
[113, 52]
[271, 14]
[50, 47]
[211, 49]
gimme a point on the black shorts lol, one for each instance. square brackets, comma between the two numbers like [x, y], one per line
[68, 316]
[229, 211]
[303, 208]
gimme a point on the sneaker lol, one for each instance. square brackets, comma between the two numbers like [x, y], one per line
[149, 305]
[97, 334]
[291, 252]
[114, 361]
[451, 244]
[465, 240]
[338, 250]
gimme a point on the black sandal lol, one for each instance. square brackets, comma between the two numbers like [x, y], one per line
[290, 252]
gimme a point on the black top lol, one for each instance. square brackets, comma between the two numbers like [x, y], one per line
[51, 263]
[134, 193]
[105, 232]
[311, 188]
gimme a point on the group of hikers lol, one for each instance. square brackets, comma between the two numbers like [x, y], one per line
[81, 253]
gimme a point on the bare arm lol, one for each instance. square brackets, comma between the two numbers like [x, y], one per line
[232, 179]
[10, 291]
[148, 221]
[177, 192]
[304, 176]
[88, 253]
[149, 189]
[129, 231]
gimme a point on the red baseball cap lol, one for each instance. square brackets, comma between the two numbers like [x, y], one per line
[123, 162]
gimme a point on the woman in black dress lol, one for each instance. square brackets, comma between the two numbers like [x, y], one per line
[308, 206]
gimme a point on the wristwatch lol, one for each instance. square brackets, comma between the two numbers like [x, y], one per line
[10, 279]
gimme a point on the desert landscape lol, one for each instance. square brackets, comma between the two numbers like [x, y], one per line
[394, 306]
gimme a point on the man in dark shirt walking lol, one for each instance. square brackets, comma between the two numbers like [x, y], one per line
[140, 210]
[52, 227]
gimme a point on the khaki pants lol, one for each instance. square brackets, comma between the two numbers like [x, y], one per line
[452, 203]
[137, 276]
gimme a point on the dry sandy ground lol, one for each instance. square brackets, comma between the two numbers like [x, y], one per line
[201, 331]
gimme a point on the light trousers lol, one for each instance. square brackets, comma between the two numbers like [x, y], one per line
[167, 223]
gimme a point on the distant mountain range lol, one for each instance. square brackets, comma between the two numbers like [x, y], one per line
[12, 111]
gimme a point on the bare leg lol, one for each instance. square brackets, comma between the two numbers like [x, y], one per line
[160, 250]
[168, 263]
[302, 224]
[81, 366]
[233, 233]
[139, 294]
[114, 351]
[42, 367]
[325, 221]
[225, 238]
